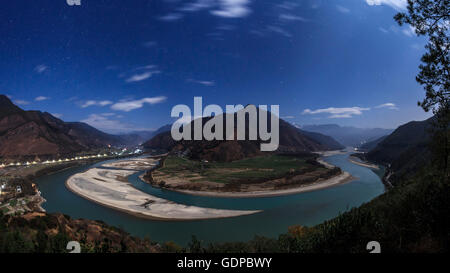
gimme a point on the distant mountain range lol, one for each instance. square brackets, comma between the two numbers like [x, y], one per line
[292, 140]
[35, 133]
[349, 136]
[366, 147]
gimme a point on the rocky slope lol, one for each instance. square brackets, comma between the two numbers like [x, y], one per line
[35, 133]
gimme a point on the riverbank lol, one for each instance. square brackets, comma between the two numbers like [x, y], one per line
[334, 181]
[358, 161]
[270, 188]
[110, 188]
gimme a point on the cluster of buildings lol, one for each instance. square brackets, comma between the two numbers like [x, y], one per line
[52, 161]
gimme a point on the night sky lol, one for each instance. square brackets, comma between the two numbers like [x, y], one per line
[122, 65]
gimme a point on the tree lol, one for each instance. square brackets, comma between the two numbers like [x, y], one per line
[432, 18]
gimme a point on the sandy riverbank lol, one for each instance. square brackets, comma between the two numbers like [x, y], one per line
[357, 161]
[109, 187]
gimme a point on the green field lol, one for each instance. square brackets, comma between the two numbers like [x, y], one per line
[246, 170]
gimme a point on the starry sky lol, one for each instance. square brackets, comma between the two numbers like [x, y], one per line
[122, 65]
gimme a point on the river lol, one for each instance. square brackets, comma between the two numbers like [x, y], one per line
[278, 214]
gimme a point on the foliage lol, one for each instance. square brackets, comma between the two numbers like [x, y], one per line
[413, 217]
[432, 19]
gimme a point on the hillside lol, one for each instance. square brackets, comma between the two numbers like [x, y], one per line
[406, 149]
[49, 233]
[348, 136]
[292, 140]
[35, 133]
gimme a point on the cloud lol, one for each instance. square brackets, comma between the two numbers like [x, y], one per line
[171, 17]
[21, 102]
[232, 8]
[409, 31]
[287, 5]
[388, 105]
[291, 17]
[106, 124]
[108, 114]
[346, 112]
[396, 4]
[279, 30]
[40, 68]
[205, 83]
[142, 76]
[146, 67]
[41, 98]
[130, 105]
[198, 5]
[56, 115]
[342, 9]
[383, 30]
[96, 103]
[287, 117]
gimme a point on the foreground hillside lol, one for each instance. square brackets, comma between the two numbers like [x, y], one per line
[414, 217]
[47, 233]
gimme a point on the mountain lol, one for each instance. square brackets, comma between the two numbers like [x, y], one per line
[406, 149]
[139, 137]
[348, 136]
[292, 140]
[324, 140]
[35, 133]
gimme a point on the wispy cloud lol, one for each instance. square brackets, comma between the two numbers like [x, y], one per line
[342, 9]
[130, 105]
[171, 17]
[279, 30]
[345, 112]
[105, 123]
[409, 31]
[388, 105]
[382, 29]
[287, 5]
[205, 83]
[287, 117]
[291, 17]
[96, 103]
[57, 115]
[396, 4]
[232, 8]
[21, 102]
[142, 76]
[198, 5]
[41, 98]
[40, 68]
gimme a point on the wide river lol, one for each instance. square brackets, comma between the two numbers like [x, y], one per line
[278, 214]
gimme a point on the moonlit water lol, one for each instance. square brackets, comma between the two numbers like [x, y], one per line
[279, 213]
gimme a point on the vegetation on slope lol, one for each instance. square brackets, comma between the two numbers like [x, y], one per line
[413, 217]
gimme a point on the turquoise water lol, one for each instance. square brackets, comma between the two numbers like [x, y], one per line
[279, 213]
